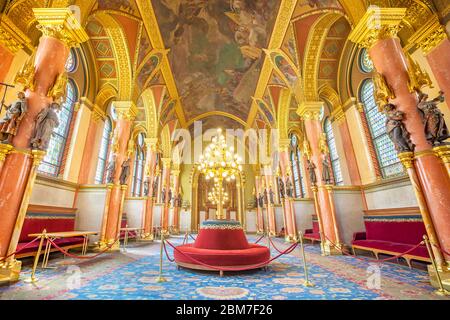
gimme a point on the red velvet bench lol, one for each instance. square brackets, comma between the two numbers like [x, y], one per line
[52, 219]
[313, 234]
[221, 244]
[393, 232]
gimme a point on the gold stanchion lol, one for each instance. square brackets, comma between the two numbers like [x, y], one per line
[441, 291]
[307, 283]
[33, 278]
[161, 277]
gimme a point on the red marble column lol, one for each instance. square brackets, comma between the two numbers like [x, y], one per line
[289, 213]
[390, 61]
[166, 184]
[150, 176]
[126, 112]
[88, 154]
[176, 209]
[6, 59]
[270, 209]
[259, 210]
[352, 164]
[326, 212]
[50, 60]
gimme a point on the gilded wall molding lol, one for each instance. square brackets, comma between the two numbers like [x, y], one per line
[429, 36]
[11, 37]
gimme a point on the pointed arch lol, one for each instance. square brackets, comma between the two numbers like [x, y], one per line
[151, 114]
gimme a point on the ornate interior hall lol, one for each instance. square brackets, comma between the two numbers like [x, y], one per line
[224, 150]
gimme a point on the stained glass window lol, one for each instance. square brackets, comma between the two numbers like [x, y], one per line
[51, 165]
[71, 63]
[337, 172]
[139, 161]
[297, 172]
[386, 153]
[365, 62]
[104, 150]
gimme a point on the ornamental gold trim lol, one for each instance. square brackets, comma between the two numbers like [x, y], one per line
[11, 37]
[429, 36]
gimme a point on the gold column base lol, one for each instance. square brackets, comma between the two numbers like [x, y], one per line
[445, 277]
[331, 250]
[10, 272]
[291, 239]
[175, 231]
[147, 237]
[165, 233]
[272, 234]
[103, 245]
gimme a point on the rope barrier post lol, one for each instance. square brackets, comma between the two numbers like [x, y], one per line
[307, 283]
[161, 278]
[33, 278]
[441, 291]
[125, 240]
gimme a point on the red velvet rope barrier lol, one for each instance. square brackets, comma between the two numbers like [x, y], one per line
[167, 253]
[288, 251]
[19, 251]
[273, 245]
[192, 237]
[82, 257]
[260, 239]
[373, 260]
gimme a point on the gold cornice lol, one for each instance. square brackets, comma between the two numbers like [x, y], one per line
[5, 149]
[285, 13]
[151, 144]
[338, 115]
[97, 114]
[377, 24]
[60, 23]
[352, 101]
[429, 36]
[11, 37]
[56, 182]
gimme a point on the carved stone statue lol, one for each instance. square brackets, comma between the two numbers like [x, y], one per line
[163, 195]
[312, 173]
[146, 187]
[282, 188]
[289, 188]
[396, 129]
[125, 173]
[436, 129]
[155, 188]
[266, 196]
[170, 195]
[326, 171]
[111, 171]
[271, 196]
[46, 122]
[10, 123]
[261, 201]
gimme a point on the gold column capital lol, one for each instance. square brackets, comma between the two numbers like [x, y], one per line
[38, 156]
[60, 23]
[339, 115]
[97, 114]
[407, 159]
[310, 110]
[126, 110]
[443, 152]
[5, 149]
[377, 24]
[11, 37]
[151, 144]
[430, 35]
[284, 144]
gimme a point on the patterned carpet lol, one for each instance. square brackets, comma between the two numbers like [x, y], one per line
[132, 275]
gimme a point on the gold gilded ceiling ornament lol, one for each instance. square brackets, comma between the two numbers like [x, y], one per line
[382, 90]
[59, 89]
[430, 35]
[377, 24]
[126, 110]
[418, 78]
[115, 147]
[11, 37]
[25, 76]
[307, 149]
[130, 148]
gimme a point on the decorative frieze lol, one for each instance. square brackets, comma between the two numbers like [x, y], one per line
[11, 37]
[430, 35]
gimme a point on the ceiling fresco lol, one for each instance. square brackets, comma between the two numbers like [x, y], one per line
[216, 50]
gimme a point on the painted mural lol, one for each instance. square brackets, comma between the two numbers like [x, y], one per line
[218, 49]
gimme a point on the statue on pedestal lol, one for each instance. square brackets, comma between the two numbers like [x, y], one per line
[312, 173]
[146, 187]
[266, 197]
[163, 195]
[326, 171]
[155, 188]
[46, 122]
[396, 129]
[289, 188]
[436, 129]
[271, 196]
[282, 188]
[10, 123]
[261, 201]
[125, 173]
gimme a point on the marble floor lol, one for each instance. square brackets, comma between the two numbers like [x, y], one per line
[132, 275]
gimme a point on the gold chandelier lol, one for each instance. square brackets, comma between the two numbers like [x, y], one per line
[219, 162]
[213, 196]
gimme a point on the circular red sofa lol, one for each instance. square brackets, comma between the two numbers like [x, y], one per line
[221, 244]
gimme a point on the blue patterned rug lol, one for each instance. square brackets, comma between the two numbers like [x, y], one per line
[132, 275]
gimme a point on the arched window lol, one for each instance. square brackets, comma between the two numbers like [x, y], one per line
[386, 153]
[71, 63]
[365, 63]
[337, 172]
[51, 165]
[297, 170]
[104, 151]
[139, 162]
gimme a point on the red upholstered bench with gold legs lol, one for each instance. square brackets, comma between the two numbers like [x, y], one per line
[221, 244]
[52, 219]
[393, 232]
[313, 234]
